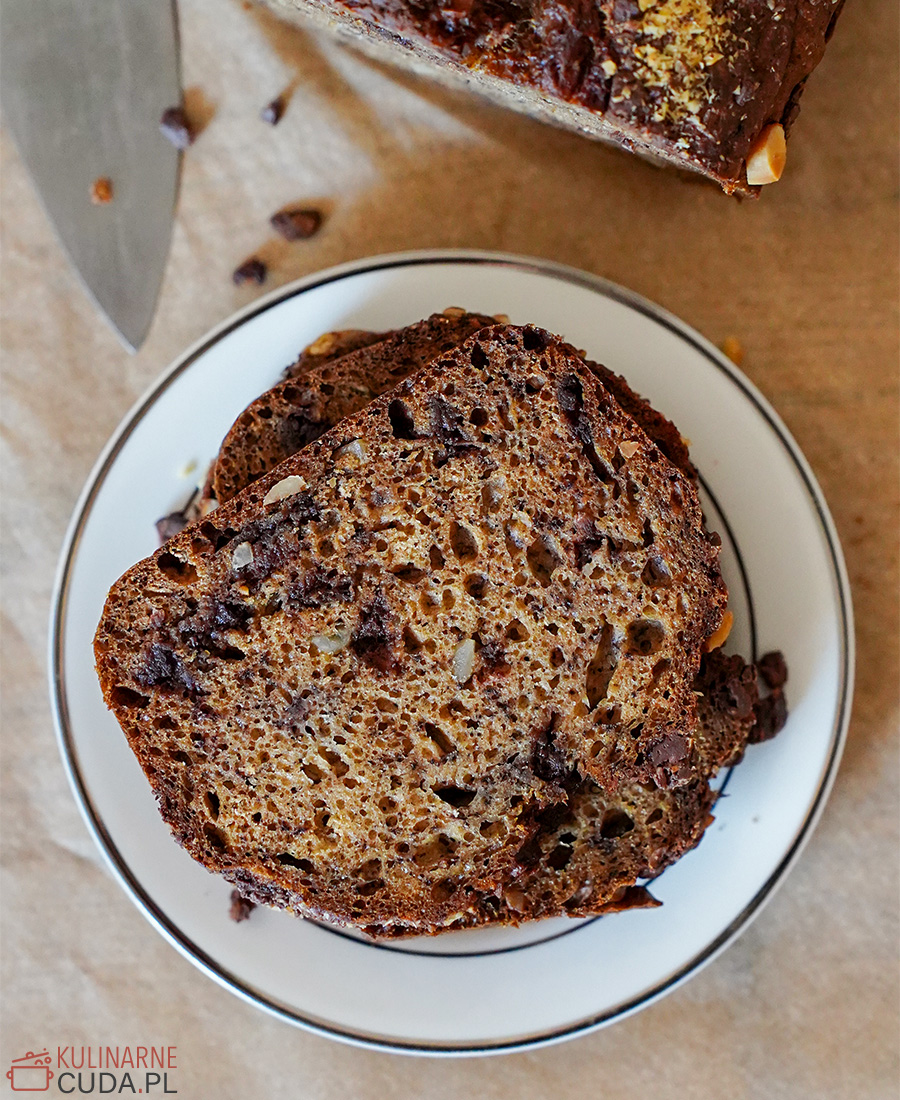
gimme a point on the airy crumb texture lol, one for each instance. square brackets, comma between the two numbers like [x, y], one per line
[588, 849]
[483, 589]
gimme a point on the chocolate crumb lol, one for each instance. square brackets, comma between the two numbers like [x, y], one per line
[773, 669]
[250, 271]
[241, 907]
[101, 191]
[174, 125]
[529, 855]
[170, 525]
[771, 715]
[273, 111]
[296, 225]
[547, 761]
[670, 749]
[374, 639]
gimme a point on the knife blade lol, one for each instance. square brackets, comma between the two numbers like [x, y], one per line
[83, 85]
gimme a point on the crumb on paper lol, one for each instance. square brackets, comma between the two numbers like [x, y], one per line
[101, 191]
[733, 348]
[250, 271]
[273, 112]
[174, 125]
[297, 224]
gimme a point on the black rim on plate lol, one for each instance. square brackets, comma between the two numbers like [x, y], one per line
[117, 862]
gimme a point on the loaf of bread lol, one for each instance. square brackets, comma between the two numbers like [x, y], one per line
[360, 687]
[710, 87]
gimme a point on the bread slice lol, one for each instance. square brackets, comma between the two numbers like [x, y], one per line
[323, 387]
[362, 680]
[589, 851]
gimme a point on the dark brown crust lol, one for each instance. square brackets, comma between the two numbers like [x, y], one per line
[322, 389]
[155, 682]
[605, 68]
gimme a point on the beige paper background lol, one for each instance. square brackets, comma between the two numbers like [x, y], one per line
[806, 1003]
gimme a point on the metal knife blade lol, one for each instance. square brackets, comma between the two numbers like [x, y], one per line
[83, 86]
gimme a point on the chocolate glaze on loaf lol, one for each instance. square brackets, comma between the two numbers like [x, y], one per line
[688, 82]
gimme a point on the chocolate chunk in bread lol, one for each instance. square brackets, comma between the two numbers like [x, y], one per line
[301, 673]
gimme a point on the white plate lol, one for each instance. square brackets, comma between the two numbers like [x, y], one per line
[493, 989]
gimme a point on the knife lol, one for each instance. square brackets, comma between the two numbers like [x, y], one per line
[83, 85]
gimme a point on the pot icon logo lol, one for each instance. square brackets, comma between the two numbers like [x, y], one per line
[31, 1073]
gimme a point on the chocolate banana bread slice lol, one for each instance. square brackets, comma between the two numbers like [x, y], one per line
[710, 86]
[360, 681]
[588, 851]
[322, 388]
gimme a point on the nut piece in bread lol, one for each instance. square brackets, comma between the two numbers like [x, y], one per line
[767, 156]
